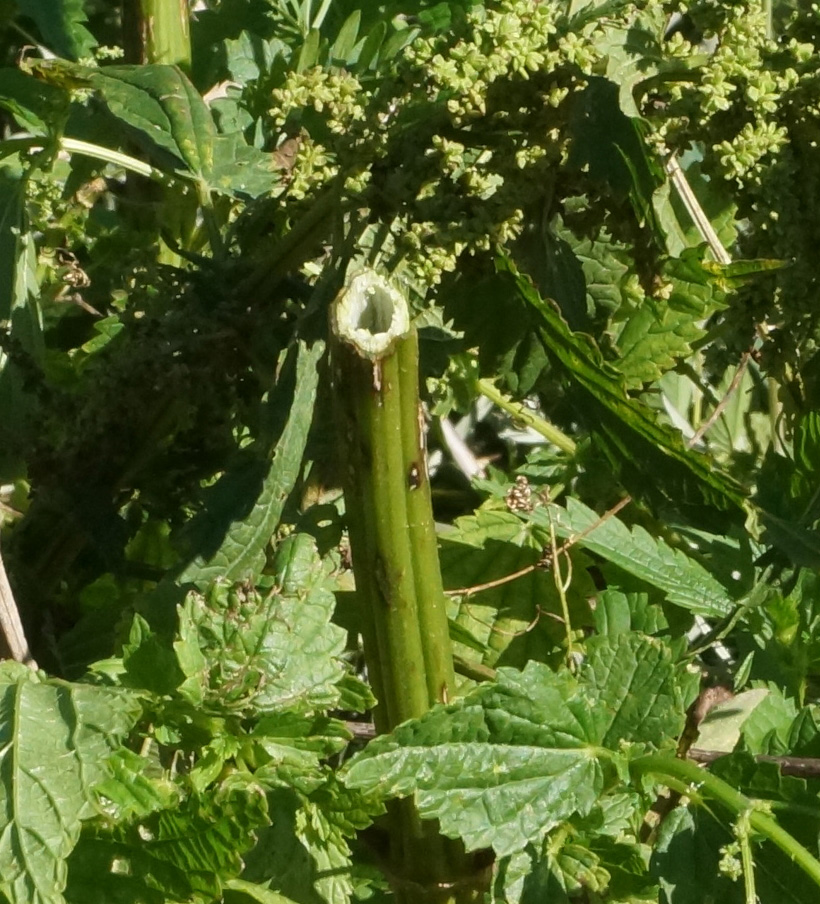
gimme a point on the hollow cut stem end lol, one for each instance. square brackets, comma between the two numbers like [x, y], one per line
[370, 315]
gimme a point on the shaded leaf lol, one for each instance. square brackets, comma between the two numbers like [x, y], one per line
[20, 314]
[626, 427]
[686, 864]
[610, 146]
[243, 508]
[495, 320]
[62, 26]
[36, 106]
[172, 855]
[509, 622]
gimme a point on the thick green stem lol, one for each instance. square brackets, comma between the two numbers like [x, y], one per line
[158, 31]
[708, 785]
[432, 610]
[395, 559]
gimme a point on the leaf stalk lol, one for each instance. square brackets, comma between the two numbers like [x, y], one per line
[711, 786]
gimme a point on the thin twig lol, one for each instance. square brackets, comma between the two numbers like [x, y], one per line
[803, 767]
[527, 569]
[489, 585]
[11, 627]
[465, 461]
[609, 513]
[695, 211]
[721, 405]
[561, 586]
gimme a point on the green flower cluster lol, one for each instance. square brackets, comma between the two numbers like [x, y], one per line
[749, 102]
[466, 138]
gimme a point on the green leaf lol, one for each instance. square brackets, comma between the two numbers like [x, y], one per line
[686, 582]
[394, 45]
[55, 739]
[163, 109]
[173, 855]
[721, 727]
[370, 49]
[241, 170]
[238, 891]
[148, 660]
[626, 427]
[573, 868]
[243, 509]
[768, 726]
[36, 106]
[281, 860]
[685, 859]
[329, 851]
[355, 695]
[135, 787]
[62, 25]
[309, 54]
[634, 53]
[712, 195]
[18, 281]
[610, 146]
[513, 759]
[653, 340]
[341, 53]
[804, 475]
[617, 612]
[765, 781]
[304, 853]
[293, 737]
[509, 621]
[20, 313]
[248, 652]
[643, 692]
[606, 270]
[686, 864]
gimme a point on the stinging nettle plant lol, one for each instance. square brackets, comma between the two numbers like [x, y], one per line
[256, 258]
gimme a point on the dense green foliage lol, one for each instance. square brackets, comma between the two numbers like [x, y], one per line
[602, 215]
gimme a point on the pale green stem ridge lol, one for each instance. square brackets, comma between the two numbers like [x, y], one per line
[529, 418]
[710, 786]
[168, 34]
[107, 155]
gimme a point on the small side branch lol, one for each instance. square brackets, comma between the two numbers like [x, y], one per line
[11, 628]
